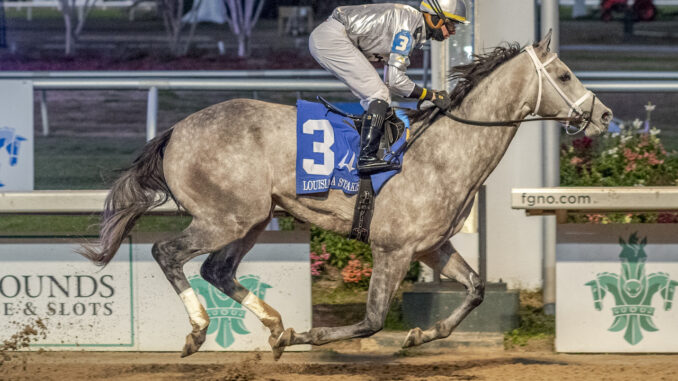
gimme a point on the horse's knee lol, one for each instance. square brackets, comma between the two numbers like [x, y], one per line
[161, 256]
[476, 289]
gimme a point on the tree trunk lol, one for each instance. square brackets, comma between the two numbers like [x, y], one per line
[243, 46]
[242, 17]
[69, 47]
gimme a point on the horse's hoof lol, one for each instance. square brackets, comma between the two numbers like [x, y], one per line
[284, 340]
[414, 337]
[194, 340]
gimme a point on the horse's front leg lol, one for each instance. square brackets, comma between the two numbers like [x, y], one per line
[452, 265]
[388, 272]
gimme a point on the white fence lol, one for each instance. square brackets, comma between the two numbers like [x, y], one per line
[68, 202]
[312, 81]
[560, 200]
[99, 4]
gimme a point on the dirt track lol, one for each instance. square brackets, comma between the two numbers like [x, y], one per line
[332, 365]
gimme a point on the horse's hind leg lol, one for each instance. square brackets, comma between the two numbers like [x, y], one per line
[219, 269]
[172, 255]
[452, 265]
[389, 270]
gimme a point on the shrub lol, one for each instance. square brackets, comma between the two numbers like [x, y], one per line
[356, 273]
[339, 247]
[318, 261]
[629, 158]
[632, 157]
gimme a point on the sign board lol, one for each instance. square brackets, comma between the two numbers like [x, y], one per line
[615, 288]
[16, 136]
[130, 305]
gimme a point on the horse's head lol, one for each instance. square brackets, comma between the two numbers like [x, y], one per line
[560, 94]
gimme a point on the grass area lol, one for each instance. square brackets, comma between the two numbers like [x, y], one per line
[612, 61]
[12, 225]
[664, 13]
[82, 162]
[535, 325]
[335, 293]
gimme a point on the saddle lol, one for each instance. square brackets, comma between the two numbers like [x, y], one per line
[394, 128]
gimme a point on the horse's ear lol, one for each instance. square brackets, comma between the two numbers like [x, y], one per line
[545, 43]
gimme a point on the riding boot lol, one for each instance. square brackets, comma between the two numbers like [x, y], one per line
[370, 137]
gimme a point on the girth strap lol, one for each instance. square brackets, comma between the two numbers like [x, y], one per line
[364, 208]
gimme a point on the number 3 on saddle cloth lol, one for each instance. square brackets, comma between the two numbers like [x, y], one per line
[327, 151]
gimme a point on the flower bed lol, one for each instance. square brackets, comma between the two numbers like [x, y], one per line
[632, 156]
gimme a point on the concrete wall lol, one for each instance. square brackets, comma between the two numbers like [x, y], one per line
[514, 241]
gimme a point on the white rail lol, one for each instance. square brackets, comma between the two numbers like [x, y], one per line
[100, 4]
[271, 80]
[68, 202]
[62, 202]
[560, 200]
[56, 4]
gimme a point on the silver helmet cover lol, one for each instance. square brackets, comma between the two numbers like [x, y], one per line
[456, 10]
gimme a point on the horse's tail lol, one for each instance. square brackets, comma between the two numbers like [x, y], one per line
[141, 187]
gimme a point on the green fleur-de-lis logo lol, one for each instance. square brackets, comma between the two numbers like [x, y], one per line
[226, 315]
[633, 291]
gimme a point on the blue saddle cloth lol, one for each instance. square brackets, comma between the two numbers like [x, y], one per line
[327, 151]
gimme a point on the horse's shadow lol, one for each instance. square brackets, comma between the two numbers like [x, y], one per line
[382, 366]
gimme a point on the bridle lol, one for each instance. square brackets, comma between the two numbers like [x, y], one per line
[582, 117]
[574, 106]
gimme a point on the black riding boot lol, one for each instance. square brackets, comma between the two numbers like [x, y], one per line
[373, 129]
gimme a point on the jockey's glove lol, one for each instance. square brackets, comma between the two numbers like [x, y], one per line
[442, 100]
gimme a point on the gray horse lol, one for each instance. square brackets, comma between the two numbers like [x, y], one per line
[230, 164]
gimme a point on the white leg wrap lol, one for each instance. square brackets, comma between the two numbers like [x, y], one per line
[253, 303]
[195, 310]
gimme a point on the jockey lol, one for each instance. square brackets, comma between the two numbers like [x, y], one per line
[355, 35]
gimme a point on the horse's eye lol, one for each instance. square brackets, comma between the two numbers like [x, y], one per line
[565, 77]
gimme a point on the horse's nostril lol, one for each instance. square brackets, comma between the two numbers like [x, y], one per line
[606, 117]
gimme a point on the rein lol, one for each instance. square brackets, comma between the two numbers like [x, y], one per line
[580, 115]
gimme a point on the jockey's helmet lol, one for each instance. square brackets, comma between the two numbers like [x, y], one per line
[444, 11]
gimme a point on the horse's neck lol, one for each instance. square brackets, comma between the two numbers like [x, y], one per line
[506, 94]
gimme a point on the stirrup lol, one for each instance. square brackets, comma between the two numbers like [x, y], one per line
[377, 166]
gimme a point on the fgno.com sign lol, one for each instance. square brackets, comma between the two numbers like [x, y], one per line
[130, 305]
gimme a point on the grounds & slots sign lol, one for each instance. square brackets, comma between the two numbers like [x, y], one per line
[129, 305]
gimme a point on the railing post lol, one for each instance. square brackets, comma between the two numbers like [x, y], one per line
[152, 113]
[43, 113]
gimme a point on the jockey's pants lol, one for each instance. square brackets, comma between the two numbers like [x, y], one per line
[333, 50]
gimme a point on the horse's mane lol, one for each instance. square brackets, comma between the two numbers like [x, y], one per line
[470, 75]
